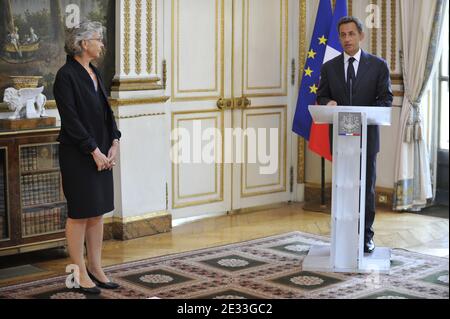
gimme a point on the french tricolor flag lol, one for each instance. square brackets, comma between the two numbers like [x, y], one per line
[319, 137]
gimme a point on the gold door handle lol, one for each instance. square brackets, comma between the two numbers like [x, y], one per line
[238, 103]
[242, 103]
[247, 102]
[225, 104]
[220, 104]
[231, 104]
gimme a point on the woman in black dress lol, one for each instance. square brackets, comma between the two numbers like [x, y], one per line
[89, 141]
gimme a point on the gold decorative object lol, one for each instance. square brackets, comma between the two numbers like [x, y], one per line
[302, 55]
[149, 36]
[164, 75]
[393, 38]
[127, 36]
[22, 82]
[384, 29]
[374, 33]
[138, 44]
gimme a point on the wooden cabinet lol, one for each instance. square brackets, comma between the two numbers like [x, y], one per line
[33, 210]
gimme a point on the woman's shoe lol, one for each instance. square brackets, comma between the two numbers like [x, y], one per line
[104, 285]
[89, 291]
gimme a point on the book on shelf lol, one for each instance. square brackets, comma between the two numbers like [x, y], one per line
[2, 227]
[41, 189]
[43, 221]
[38, 158]
[28, 159]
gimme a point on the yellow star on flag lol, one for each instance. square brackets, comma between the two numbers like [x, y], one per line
[313, 89]
[323, 40]
[311, 54]
[309, 72]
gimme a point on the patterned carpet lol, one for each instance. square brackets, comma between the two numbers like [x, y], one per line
[267, 268]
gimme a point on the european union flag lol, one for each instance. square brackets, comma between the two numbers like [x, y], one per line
[311, 74]
[319, 141]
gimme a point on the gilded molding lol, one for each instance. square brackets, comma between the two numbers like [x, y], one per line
[222, 57]
[282, 158]
[124, 220]
[149, 36]
[138, 37]
[20, 249]
[175, 38]
[374, 34]
[176, 167]
[245, 53]
[127, 35]
[156, 37]
[312, 194]
[164, 75]
[139, 115]
[136, 85]
[127, 102]
[384, 27]
[350, 7]
[393, 35]
[43, 130]
[51, 105]
[302, 57]
[397, 79]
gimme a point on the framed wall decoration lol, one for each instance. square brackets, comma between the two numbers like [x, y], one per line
[32, 35]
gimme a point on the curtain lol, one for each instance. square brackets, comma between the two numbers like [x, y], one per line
[421, 25]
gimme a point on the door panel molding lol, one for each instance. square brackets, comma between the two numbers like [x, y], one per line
[197, 65]
[280, 80]
[263, 189]
[180, 200]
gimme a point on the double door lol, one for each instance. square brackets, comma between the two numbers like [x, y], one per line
[231, 105]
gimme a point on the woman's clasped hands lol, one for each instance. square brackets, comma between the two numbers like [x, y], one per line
[105, 162]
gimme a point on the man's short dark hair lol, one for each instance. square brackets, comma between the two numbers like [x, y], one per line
[350, 19]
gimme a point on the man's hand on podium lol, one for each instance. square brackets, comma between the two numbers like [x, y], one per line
[332, 103]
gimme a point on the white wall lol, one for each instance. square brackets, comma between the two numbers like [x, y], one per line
[140, 179]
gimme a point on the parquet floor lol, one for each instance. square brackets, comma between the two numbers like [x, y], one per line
[427, 235]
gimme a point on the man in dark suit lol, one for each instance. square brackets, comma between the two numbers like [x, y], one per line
[368, 78]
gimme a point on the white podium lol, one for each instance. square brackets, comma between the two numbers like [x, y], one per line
[346, 253]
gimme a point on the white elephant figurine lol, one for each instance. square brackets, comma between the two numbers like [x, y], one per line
[24, 102]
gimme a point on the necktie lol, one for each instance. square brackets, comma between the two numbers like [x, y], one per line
[351, 71]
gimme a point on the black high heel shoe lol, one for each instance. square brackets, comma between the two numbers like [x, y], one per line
[88, 291]
[104, 285]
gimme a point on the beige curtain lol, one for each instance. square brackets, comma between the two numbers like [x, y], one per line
[421, 24]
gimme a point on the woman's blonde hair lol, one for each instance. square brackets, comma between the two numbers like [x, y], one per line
[76, 35]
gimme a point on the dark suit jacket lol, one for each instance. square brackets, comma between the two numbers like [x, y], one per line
[372, 88]
[77, 101]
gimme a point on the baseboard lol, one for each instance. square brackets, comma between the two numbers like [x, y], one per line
[132, 228]
[384, 196]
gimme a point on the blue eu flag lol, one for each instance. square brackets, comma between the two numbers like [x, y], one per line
[311, 73]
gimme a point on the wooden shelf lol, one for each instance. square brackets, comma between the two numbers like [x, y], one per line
[45, 233]
[31, 173]
[46, 205]
[44, 171]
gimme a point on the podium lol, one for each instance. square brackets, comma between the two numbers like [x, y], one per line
[346, 252]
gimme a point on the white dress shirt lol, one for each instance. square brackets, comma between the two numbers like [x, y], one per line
[357, 57]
